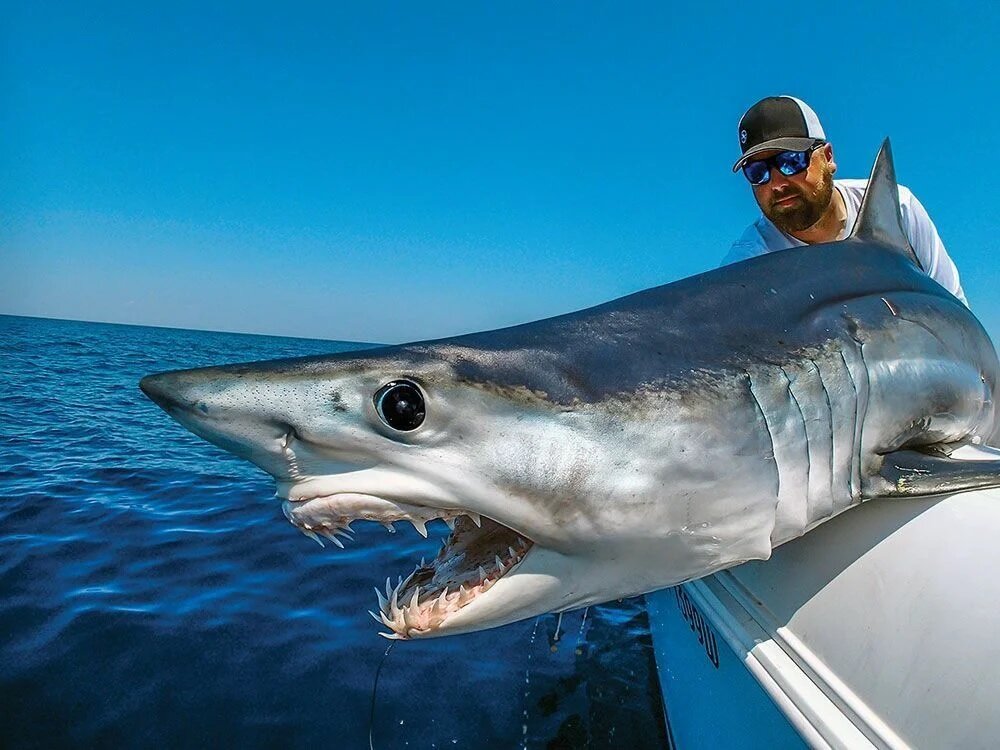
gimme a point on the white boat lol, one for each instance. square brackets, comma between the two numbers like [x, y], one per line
[878, 629]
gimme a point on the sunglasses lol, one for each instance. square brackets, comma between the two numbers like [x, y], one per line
[787, 162]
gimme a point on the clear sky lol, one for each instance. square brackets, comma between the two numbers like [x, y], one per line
[388, 172]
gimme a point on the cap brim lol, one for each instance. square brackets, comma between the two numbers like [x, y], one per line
[777, 144]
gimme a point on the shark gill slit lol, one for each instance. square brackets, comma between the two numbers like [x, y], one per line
[770, 437]
[944, 346]
[805, 430]
[855, 471]
[833, 436]
[863, 411]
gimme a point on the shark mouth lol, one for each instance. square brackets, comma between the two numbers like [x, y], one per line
[477, 553]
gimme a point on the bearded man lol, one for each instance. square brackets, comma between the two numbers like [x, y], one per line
[789, 164]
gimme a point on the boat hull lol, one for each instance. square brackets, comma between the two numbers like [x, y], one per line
[874, 630]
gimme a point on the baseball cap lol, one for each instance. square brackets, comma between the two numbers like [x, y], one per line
[778, 123]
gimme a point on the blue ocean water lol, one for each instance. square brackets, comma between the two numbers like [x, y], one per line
[152, 592]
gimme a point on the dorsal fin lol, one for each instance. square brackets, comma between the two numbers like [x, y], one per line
[879, 219]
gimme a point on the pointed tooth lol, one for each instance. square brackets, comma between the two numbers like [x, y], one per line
[388, 587]
[394, 602]
[482, 574]
[312, 535]
[496, 559]
[442, 601]
[422, 563]
[476, 518]
[419, 526]
[411, 618]
[389, 527]
[329, 535]
[450, 522]
[463, 595]
[522, 542]
[386, 621]
[414, 599]
[382, 601]
[392, 636]
[376, 618]
[398, 621]
[512, 552]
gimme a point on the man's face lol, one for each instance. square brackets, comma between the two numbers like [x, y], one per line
[795, 203]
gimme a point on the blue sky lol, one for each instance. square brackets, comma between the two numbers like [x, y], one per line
[388, 172]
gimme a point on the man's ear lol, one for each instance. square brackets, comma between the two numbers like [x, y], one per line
[828, 152]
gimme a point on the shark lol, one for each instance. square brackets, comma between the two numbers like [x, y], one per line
[631, 446]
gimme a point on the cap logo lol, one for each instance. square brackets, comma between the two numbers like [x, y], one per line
[743, 137]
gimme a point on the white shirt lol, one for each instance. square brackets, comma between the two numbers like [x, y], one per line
[763, 237]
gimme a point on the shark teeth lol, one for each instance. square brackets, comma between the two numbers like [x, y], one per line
[422, 614]
[425, 606]
[320, 517]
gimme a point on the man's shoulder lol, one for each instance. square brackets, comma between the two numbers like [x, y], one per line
[749, 245]
[758, 238]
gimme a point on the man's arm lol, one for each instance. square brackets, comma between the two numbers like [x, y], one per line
[923, 235]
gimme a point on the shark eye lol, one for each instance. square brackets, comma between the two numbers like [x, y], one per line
[400, 405]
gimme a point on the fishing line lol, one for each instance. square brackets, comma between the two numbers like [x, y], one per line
[583, 624]
[371, 716]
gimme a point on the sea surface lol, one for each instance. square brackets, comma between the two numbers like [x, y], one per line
[153, 594]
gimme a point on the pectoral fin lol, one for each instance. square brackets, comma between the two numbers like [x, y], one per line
[910, 473]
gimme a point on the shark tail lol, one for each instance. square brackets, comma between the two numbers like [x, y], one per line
[879, 220]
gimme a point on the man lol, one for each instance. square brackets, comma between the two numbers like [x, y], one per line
[790, 166]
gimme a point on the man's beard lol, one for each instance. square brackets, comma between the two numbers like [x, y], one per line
[803, 213]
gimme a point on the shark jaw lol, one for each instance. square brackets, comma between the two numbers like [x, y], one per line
[484, 575]
[475, 556]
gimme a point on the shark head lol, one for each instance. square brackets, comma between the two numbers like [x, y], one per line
[424, 432]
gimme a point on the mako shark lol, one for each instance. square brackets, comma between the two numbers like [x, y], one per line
[631, 446]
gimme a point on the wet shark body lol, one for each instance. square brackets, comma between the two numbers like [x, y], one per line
[630, 446]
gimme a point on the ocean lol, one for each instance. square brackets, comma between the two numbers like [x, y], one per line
[153, 594]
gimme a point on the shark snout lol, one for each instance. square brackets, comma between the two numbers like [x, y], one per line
[200, 393]
[162, 390]
[182, 394]
[228, 411]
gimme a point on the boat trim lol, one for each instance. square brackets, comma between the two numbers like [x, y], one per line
[825, 712]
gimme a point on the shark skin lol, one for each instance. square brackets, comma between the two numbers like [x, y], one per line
[631, 446]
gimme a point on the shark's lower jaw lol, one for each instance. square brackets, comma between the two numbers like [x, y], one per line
[477, 553]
